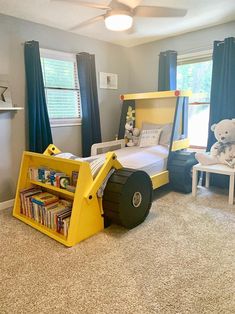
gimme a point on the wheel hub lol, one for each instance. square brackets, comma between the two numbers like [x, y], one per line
[136, 199]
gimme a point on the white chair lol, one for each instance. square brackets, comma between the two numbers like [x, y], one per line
[219, 169]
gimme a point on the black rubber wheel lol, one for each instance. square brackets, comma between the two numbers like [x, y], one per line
[127, 197]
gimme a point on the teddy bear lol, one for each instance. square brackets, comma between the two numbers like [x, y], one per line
[222, 151]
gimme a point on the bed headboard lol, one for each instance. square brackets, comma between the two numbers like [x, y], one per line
[163, 107]
[155, 111]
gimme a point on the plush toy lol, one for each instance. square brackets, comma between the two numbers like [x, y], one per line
[136, 134]
[131, 133]
[223, 151]
[130, 114]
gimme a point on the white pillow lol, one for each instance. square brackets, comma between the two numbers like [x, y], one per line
[165, 136]
[150, 137]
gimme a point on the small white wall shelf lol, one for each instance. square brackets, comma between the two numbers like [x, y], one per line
[10, 108]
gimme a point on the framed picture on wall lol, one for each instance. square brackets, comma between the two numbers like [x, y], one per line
[5, 95]
[108, 80]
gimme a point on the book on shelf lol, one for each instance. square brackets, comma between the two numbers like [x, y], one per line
[45, 198]
[52, 177]
[74, 178]
[66, 223]
[46, 208]
[66, 203]
[25, 197]
[33, 173]
[53, 215]
[60, 219]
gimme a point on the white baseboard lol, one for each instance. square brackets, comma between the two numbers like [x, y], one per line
[7, 204]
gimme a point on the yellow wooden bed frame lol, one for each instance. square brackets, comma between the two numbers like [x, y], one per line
[160, 108]
[87, 210]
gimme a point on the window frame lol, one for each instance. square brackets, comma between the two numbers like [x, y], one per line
[195, 57]
[63, 56]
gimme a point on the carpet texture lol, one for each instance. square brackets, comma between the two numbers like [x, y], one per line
[180, 260]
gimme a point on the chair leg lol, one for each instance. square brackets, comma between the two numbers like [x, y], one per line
[207, 179]
[194, 182]
[231, 189]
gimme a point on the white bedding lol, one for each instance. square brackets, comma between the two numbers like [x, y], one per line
[149, 159]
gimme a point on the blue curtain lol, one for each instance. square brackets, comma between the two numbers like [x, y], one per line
[222, 104]
[167, 70]
[91, 132]
[38, 121]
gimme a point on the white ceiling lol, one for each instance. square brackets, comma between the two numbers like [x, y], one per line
[64, 15]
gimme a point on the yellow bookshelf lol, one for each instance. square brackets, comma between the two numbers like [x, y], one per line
[86, 217]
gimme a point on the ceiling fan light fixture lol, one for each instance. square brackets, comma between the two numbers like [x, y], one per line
[118, 22]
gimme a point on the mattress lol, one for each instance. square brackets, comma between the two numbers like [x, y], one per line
[149, 159]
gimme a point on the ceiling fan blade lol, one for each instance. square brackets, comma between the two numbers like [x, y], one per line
[152, 11]
[86, 4]
[88, 22]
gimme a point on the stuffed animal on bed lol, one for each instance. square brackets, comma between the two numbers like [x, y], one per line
[130, 115]
[223, 151]
[128, 132]
[131, 134]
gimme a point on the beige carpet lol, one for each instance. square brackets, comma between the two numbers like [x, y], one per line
[181, 260]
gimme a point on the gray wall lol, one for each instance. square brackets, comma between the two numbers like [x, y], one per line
[143, 59]
[109, 58]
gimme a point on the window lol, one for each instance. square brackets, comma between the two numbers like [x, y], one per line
[194, 73]
[61, 87]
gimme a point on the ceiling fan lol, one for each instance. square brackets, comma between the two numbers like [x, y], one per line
[119, 16]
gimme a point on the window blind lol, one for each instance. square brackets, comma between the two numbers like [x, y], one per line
[61, 88]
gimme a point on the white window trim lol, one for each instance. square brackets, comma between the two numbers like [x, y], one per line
[56, 123]
[205, 54]
[66, 56]
[54, 54]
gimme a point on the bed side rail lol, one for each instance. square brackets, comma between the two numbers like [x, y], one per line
[101, 148]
